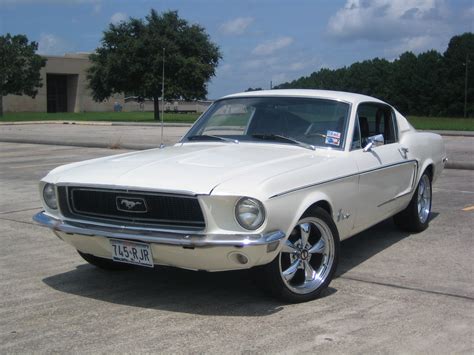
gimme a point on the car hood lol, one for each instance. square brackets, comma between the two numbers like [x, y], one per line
[195, 168]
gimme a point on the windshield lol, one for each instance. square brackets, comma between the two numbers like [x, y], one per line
[306, 121]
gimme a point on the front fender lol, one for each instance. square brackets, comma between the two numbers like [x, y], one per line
[285, 210]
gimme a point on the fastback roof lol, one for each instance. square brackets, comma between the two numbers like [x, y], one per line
[323, 94]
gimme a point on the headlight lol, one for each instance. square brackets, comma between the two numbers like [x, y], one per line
[249, 213]
[49, 196]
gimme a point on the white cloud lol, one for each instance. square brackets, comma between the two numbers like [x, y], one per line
[118, 17]
[260, 63]
[236, 26]
[51, 44]
[278, 68]
[383, 20]
[295, 66]
[283, 63]
[272, 46]
[417, 45]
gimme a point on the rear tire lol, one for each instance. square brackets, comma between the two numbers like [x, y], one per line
[416, 217]
[307, 261]
[102, 263]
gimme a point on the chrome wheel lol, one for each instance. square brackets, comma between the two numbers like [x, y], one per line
[424, 198]
[307, 258]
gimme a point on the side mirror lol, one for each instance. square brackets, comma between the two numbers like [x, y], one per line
[374, 141]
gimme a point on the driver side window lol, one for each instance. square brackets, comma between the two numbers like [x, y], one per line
[372, 120]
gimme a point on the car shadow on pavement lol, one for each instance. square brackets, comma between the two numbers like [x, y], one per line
[370, 242]
[224, 293]
[233, 293]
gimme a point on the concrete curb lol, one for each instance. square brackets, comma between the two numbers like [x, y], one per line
[460, 165]
[451, 164]
[452, 133]
[79, 123]
[157, 124]
[179, 124]
[99, 123]
[80, 144]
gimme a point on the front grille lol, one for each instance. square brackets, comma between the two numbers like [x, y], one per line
[130, 207]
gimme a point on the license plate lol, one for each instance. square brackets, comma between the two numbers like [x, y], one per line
[131, 253]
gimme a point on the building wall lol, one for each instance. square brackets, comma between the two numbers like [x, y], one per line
[170, 106]
[79, 98]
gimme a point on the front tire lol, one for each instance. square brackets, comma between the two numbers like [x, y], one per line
[416, 217]
[102, 263]
[307, 261]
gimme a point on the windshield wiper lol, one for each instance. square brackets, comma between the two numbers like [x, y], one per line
[284, 139]
[204, 137]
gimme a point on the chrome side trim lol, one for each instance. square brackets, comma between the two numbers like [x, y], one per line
[343, 177]
[168, 238]
[395, 198]
[415, 174]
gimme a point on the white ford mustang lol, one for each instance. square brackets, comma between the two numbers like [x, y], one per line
[274, 179]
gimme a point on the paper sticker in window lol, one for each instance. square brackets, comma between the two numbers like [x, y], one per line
[333, 138]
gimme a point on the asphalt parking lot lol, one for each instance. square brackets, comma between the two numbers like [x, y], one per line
[395, 292]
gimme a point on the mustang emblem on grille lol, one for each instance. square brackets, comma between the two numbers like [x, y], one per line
[129, 204]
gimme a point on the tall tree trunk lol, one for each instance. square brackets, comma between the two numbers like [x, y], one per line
[156, 108]
[1, 105]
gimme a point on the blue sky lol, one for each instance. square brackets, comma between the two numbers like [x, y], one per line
[261, 40]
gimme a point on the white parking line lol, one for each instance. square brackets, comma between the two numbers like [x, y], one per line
[23, 210]
[447, 190]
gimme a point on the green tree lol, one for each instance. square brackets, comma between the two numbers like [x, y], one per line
[130, 59]
[403, 83]
[20, 67]
[425, 84]
[428, 84]
[460, 49]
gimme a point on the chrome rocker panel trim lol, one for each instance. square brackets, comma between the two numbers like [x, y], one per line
[186, 240]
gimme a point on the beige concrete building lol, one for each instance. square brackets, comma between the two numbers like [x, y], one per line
[65, 90]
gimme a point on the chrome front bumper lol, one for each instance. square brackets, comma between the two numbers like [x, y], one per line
[212, 252]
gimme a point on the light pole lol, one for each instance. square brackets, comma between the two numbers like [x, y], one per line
[465, 86]
[162, 99]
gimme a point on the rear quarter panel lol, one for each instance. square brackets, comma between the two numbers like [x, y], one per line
[427, 148]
